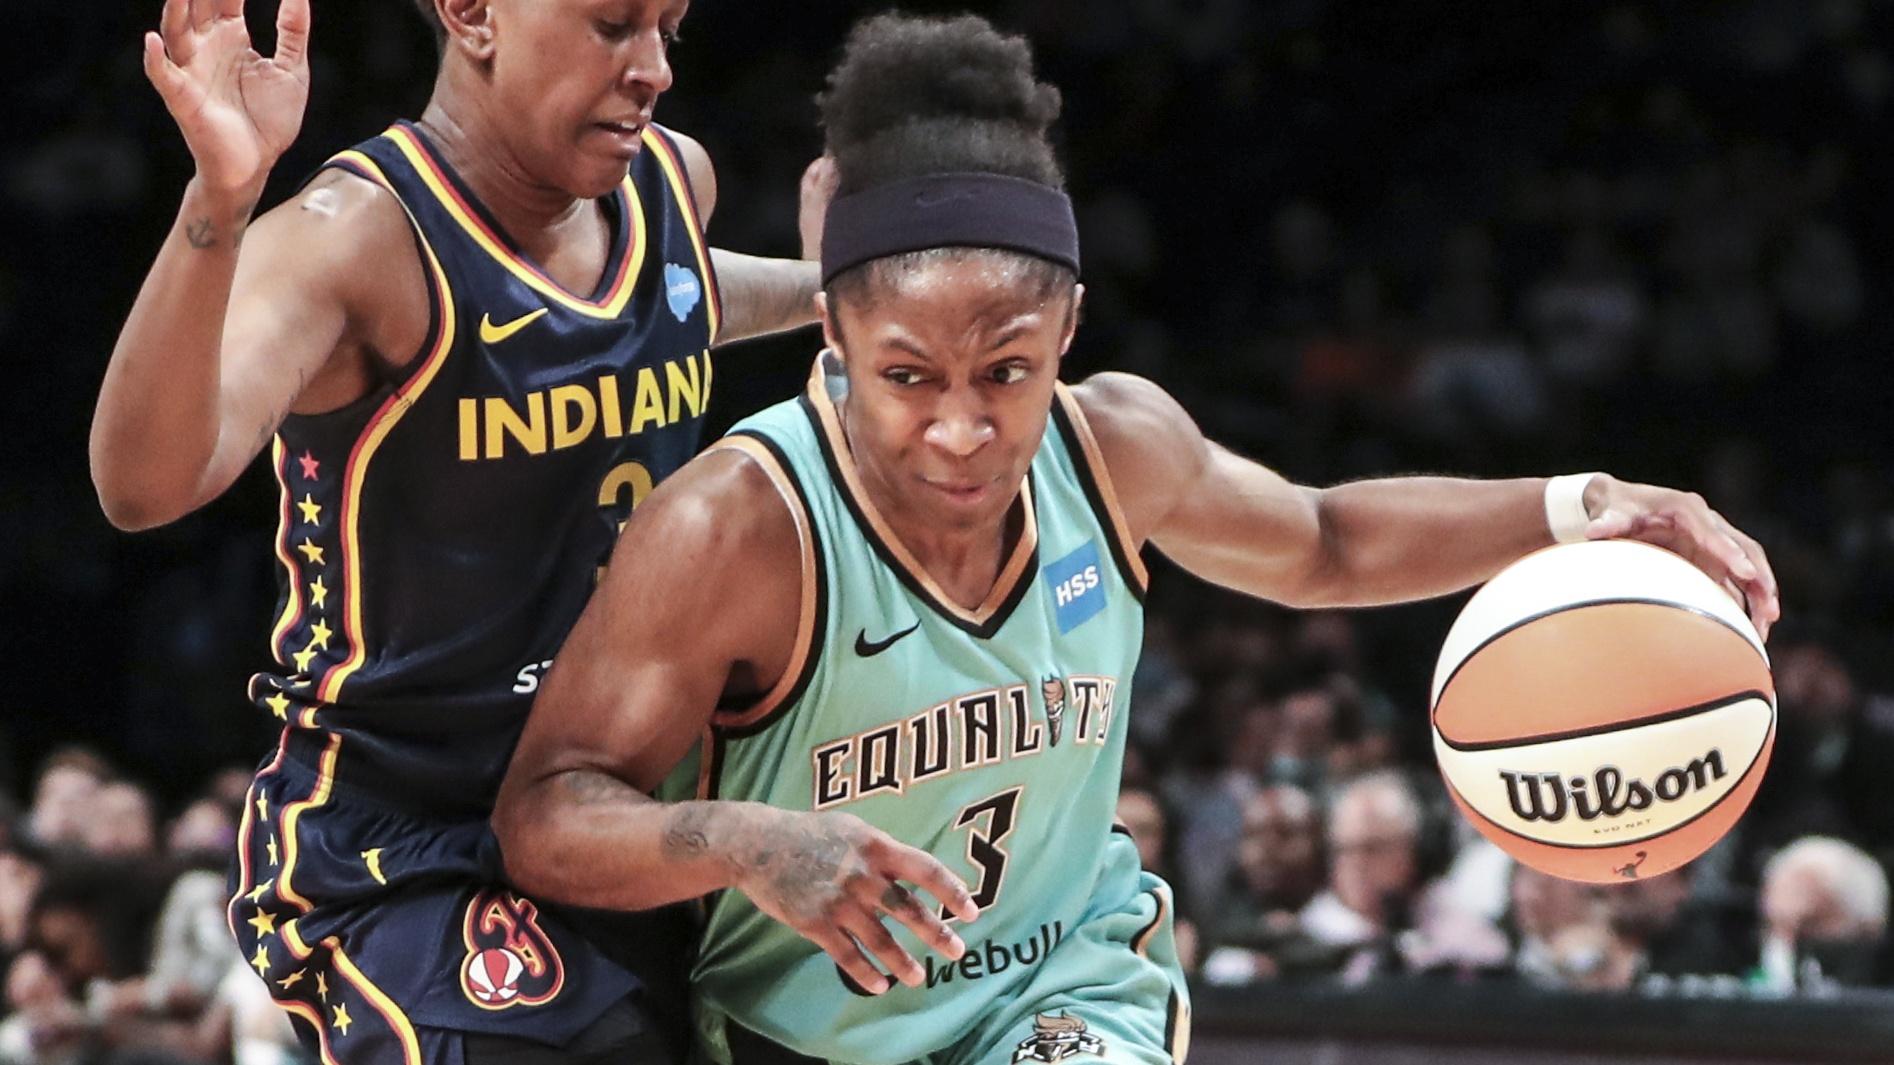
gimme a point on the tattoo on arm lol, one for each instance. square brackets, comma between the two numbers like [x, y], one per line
[201, 232]
[764, 295]
[686, 833]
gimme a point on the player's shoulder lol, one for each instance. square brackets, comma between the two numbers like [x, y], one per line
[1131, 415]
[731, 504]
[1149, 443]
[338, 223]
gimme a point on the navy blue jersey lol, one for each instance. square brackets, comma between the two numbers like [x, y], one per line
[439, 537]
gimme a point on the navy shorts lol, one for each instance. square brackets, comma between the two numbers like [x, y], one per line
[389, 936]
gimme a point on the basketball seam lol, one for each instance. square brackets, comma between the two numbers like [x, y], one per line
[1433, 712]
[1614, 726]
[1767, 742]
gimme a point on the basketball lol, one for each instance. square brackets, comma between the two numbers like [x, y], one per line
[1603, 711]
[494, 976]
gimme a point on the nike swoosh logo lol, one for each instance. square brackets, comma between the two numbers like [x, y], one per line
[870, 650]
[493, 334]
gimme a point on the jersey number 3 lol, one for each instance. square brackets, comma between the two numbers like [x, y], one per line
[983, 843]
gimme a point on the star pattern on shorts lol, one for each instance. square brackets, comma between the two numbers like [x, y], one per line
[311, 552]
[309, 465]
[342, 1018]
[264, 922]
[311, 510]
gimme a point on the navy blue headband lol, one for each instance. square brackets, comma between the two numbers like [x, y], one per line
[949, 211]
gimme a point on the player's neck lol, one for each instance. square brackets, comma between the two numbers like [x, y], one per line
[470, 142]
[965, 561]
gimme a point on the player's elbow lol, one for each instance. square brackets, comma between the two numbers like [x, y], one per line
[131, 510]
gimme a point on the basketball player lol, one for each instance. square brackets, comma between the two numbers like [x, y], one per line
[907, 606]
[469, 345]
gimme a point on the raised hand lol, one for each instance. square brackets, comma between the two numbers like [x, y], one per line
[817, 189]
[238, 111]
[832, 877]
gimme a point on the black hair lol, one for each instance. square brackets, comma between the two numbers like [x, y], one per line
[914, 96]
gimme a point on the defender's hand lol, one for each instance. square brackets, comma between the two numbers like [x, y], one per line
[818, 188]
[1682, 522]
[832, 878]
[238, 111]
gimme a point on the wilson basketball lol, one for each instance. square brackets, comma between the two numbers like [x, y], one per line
[1603, 711]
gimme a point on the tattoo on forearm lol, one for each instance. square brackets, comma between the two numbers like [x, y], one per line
[686, 833]
[202, 232]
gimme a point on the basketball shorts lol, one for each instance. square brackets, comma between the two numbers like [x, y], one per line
[389, 937]
[1111, 992]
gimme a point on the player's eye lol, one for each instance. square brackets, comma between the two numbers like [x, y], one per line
[669, 36]
[612, 31]
[903, 376]
[1011, 373]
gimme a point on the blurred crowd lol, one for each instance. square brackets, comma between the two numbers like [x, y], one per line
[113, 927]
[1482, 238]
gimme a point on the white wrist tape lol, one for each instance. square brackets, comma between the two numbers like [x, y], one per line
[1565, 513]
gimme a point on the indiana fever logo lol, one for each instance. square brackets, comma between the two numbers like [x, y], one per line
[510, 960]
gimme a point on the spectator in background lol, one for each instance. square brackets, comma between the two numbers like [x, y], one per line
[1542, 907]
[1824, 916]
[120, 822]
[63, 795]
[1255, 932]
[1676, 933]
[1378, 914]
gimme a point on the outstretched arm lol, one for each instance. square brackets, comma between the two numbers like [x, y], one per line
[763, 295]
[703, 606]
[1239, 524]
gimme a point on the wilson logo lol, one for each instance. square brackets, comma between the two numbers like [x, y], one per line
[1550, 797]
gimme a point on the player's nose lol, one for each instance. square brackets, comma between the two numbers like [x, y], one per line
[648, 67]
[960, 428]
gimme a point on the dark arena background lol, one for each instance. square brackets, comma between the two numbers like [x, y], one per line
[1354, 238]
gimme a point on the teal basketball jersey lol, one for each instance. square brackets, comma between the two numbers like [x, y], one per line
[990, 737]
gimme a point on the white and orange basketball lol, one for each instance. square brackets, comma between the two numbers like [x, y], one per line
[1603, 711]
[493, 976]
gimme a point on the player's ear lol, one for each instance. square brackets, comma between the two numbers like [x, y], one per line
[831, 329]
[469, 25]
[1071, 320]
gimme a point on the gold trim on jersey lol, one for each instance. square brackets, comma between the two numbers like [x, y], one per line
[1094, 459]
[377, 430]
[806, 613]
[1011, 573]
[673, 168]
[608, 306]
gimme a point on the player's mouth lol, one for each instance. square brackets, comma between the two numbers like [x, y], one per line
[626, 136]
[963, 493]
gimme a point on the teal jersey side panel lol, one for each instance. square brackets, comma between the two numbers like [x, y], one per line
[991, 737]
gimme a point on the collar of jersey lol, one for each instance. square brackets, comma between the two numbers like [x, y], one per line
[628, 242]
